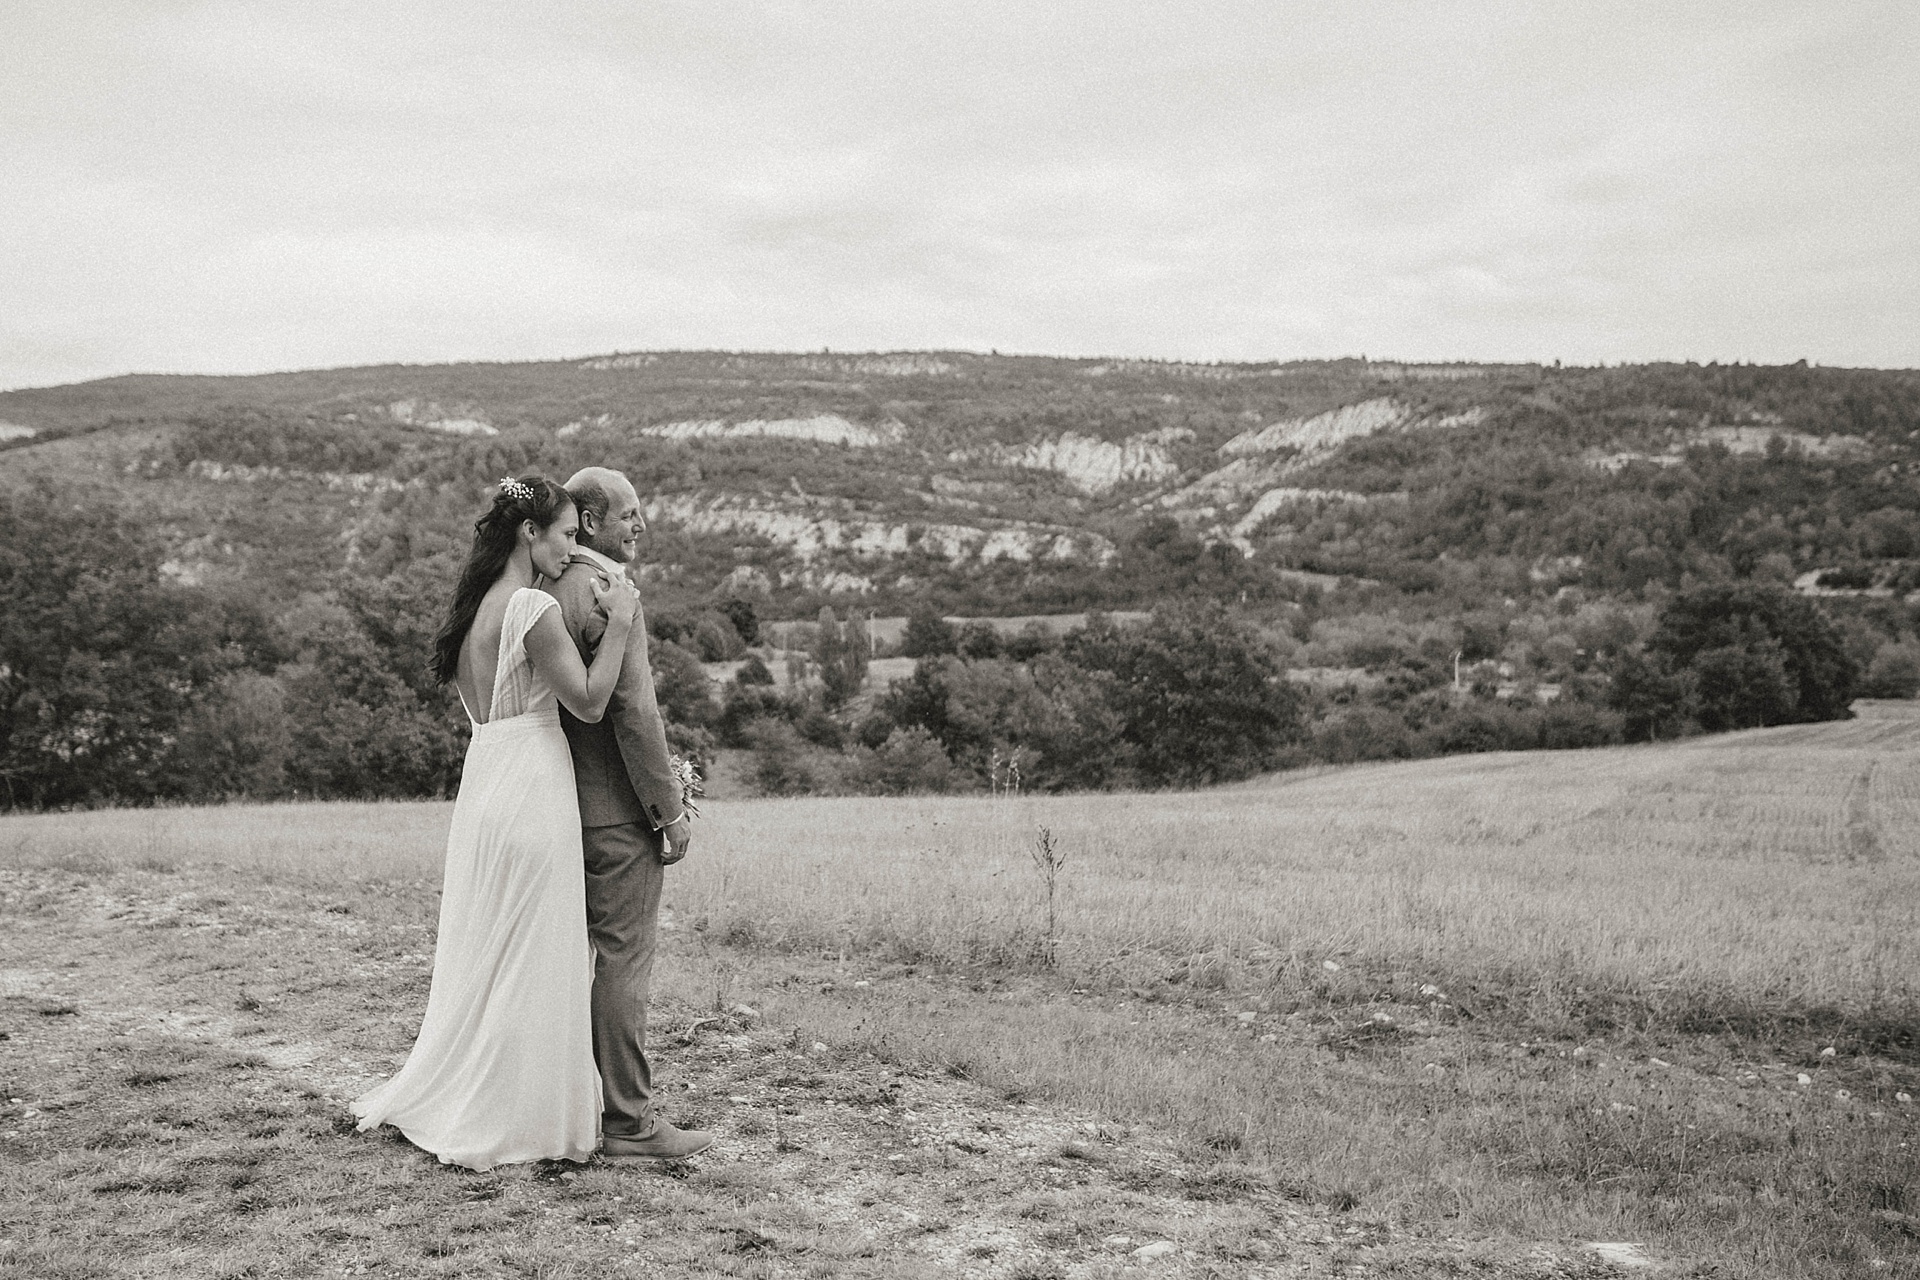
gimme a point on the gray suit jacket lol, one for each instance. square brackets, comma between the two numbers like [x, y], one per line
[620, 764]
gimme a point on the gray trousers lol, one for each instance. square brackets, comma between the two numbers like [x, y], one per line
[624, 877]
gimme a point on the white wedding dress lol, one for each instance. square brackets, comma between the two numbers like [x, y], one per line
[502, 1070]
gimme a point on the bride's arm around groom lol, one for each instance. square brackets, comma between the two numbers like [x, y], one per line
[584, 685]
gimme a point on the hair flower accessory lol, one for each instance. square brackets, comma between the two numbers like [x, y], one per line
[515, 489]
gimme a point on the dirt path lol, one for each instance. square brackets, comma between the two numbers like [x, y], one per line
[179, 1046]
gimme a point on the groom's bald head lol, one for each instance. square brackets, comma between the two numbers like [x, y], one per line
[610, 519]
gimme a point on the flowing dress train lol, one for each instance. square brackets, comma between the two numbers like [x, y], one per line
[502, 1070]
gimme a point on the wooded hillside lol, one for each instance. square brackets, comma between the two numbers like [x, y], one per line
[1396, 535]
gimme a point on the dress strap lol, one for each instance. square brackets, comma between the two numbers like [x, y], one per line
[510, 677]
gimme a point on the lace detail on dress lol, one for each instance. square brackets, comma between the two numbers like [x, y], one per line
[517, 687]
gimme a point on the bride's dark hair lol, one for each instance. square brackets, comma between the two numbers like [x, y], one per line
[534, 498]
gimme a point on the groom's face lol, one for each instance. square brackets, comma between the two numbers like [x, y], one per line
[618, 536]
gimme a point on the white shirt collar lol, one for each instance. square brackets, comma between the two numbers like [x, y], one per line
[594, 557]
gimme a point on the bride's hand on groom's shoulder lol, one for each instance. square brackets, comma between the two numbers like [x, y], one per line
[616, 596]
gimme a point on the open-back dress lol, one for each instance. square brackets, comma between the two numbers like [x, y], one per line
[502, 1070]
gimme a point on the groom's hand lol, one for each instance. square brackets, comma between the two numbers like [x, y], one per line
[676, 837]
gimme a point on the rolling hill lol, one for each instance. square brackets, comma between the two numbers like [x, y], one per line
[1004, 484]
[227, 584]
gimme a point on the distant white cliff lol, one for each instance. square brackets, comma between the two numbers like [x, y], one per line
[1091, 464]
[825, 428]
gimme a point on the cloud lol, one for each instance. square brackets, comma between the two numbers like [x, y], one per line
[243, 186]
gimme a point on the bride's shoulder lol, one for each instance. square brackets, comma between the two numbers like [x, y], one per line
[533, 600]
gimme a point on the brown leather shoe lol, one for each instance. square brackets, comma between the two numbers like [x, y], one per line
[664, 1143]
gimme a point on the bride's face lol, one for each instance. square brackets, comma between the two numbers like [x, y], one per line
[551, 546]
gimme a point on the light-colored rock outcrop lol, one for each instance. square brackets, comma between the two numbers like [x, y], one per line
[428, 414]
[1323, 431]
[1617, 462]
[347, 481]
[1337, 426]
[1091, 464]
[808, 536]
[747, 582]
[1264, 457]
[825, 428]
[1011, 544]
[578, 425]
[1237, 482]
[1274, 501]
[831, 581]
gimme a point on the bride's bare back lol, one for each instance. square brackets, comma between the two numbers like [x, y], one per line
[480, 653]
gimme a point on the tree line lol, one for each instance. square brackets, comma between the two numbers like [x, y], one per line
[123, 682]
[1200, 695]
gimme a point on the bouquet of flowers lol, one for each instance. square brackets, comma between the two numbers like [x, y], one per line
[687, 774]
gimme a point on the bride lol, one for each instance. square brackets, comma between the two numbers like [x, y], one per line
[503, 1069]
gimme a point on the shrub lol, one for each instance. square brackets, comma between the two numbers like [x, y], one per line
[680, 685]
[1566, 724]
[744, 618]
[1894, 672]
[1742, 686]
[1776, 659]
[715, 640]
[1034, 639]
[236, 740]
[753, 671]
[841, 651]
[782, 764]
[669, 626]
[1652, 702]
[1201, 697]
[873, 729]
[360, 729]
[694, 743]
[1081, 741]
[101, 659]
[927, 634]
[1481, 726]
[909, 761]
[978, 640]
[1065, 720]
[821, 729]
[1363, 733]
[746, 704]
[1481, 637]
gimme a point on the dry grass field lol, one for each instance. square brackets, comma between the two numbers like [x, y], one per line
[1455, 1017]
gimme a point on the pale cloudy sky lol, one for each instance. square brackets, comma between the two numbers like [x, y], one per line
[237, 187]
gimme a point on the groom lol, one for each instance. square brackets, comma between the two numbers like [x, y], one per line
[633, 826]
